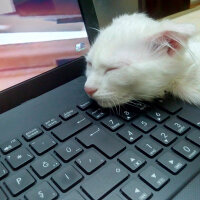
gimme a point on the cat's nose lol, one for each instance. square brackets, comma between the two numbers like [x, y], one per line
[90, 91]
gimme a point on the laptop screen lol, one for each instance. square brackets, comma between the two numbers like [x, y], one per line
[37, 36]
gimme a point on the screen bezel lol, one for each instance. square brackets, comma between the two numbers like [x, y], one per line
[36, 86]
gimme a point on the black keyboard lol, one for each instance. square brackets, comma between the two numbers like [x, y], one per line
[87, 152]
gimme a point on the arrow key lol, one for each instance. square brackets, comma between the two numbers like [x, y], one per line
[153, 177]
[131, 161]
[135, 190]
[171, 162]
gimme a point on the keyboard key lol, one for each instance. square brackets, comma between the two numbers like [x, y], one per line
[68, 114]
[129, 134]
[144, 124]
[51, 123]
[194, 137]
[19, 158]
[154, 177]
[149, 147]
[112, 123]
[90, 161]
[137, 191]
[163, 136]
[103, 141]
[3, 195]
[45, 165]
[85, 105]
[43, 144]
[186, 149]
[138, 105]
[127, 114]
[43, 191]
[130, 160]
[68, 150]
[170, 105]
[99, 185]
[113, 197]
[172, 162]
[31, 134]
[157, 115]
[191, 115]
[10, 146]
[97, 113]
[71, 127]
[73, 196]
[19, 182]
[66, 178]
[177, 126]
[3, 171]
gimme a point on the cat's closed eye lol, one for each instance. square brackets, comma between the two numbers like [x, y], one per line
[111, 69]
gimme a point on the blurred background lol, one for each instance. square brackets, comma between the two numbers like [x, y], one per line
[107, 9]
[37, 36]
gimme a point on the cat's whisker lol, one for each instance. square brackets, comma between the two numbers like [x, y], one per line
[112, 108]
[130, 104]
[118, 107]
[118, 104]
[103, 96]
[96, 29]
[113, 104]
[187, 50]
[106, 94]
[122, 99]
[110, 105]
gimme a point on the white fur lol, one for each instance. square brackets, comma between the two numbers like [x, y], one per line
[136, 46]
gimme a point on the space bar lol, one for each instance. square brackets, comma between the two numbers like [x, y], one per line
[191, 190]
[102, 183]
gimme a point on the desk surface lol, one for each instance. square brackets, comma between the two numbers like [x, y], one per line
[189, 16]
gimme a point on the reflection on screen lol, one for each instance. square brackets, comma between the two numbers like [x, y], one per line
[37, 36]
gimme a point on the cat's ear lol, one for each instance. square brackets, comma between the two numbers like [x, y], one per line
[171, 38]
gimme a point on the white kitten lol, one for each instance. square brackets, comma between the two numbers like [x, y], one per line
[138, 58]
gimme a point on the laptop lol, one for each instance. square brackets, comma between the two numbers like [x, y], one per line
[56, 143]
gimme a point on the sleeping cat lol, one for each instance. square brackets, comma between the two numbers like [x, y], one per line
[138, 58]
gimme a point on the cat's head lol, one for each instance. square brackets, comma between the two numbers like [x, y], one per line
[135, 57]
